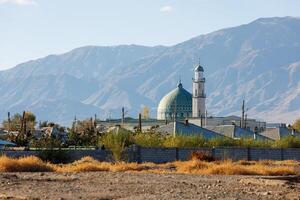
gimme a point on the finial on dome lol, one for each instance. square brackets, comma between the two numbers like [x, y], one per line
[198, 67]
[179, 84]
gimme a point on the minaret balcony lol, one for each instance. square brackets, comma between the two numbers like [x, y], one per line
[200, 96]
[199, 80]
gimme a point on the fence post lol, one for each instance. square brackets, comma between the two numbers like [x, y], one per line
[136, 151]
[248, 154]
[176, 153]
[281, 153]
[213, 153]
[139, 160]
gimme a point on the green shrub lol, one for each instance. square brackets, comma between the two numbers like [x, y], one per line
[253, 143]
[184, 141]
[117, 141]
[288, 142]
[221, 141]
[148, 140]
[54, 156]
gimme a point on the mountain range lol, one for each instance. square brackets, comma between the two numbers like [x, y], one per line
[258, 62]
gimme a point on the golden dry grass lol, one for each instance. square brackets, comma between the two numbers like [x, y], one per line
[87, 164]
[25, 164]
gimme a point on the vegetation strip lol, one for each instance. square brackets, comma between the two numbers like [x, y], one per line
[194, 166]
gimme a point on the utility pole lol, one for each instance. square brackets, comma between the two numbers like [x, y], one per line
[95, 121]
[245, 121]
[243, 115]
[23, 124]
[91, 123]
[201, 120]
[140, 123]
[75, 124]
[123, 115]
[8, 118]
[206, 118]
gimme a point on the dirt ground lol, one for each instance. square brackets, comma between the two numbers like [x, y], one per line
[109, 185]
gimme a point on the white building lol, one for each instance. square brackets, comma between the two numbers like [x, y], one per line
[199, 95]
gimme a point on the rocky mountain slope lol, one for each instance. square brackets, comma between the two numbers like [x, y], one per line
[258, 62]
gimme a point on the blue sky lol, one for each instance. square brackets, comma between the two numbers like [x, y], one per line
[30, 29]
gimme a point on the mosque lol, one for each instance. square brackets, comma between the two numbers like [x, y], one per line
[180, 104]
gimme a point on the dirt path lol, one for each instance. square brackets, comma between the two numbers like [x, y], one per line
[108, 185]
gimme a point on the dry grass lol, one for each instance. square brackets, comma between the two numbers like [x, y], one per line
[271, 168]
[25, 164]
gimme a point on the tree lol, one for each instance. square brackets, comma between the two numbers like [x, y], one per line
[83, 133]
[23, 125]
[145, 112]
[296, 125]
[15, 123]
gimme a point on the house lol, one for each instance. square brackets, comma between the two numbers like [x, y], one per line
[4, 143]
[236, 132]
[279, 133]
[2, 131]
[250, 124]
[186, 129]
[232, 131]
[50, 132]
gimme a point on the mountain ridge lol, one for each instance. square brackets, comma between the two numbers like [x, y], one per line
[250, 61]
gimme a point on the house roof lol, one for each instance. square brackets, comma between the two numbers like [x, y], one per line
[278, 133]
[188, 129]
[232, 131]
[6, 143]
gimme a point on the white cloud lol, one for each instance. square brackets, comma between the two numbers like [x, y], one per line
[166, 9]
[19, 2]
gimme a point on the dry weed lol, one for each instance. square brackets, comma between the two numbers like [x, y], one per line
[24, 164]
[87, 164]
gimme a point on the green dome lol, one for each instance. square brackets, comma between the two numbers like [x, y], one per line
[178, 99]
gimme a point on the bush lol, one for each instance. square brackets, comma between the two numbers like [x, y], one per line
[221, 141]
[117, 142]
[54, 156]
[202, 156]
[184, 141]
[288, 142]
[50, 150]
[148, 140]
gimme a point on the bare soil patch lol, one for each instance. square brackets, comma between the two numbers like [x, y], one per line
[140, 185]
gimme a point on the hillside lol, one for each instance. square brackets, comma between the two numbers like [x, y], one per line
[258, 62]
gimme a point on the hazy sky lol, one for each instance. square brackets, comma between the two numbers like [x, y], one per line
[31, 29]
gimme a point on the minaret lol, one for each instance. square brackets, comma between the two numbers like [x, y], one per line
[199, 92]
